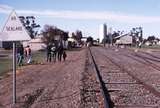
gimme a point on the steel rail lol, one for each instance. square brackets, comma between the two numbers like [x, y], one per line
[147, 86]
[107, 101]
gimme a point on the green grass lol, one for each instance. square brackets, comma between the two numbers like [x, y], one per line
[151, 47]
[6, 62]
[5, 65]
[38, 56]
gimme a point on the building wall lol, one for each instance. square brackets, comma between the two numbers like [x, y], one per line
[125, 40]
[35, 44]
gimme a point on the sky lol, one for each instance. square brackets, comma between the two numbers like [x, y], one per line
[88, 15]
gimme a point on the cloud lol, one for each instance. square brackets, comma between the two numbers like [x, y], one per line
[90, 15]
[5, 9]
[86, 15]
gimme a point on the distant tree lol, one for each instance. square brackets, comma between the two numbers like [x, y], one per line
[115, 34]
[141, 34]
[90, 39]
[144, 41]
[50, 34]
[30, 25]
[157, 39]
[73, 35]
[65, 36]
[98, 40]
[77, 36]
[137, 32]
[151, 38]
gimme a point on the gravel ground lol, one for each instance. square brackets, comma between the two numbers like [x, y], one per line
[125, 91]
[50, 85]
[146, 63]
[90, 93]
[74, 84]
[145, 69]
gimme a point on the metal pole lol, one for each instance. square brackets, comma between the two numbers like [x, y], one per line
[14, 72]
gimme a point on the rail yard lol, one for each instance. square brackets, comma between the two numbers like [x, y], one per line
[95, 77]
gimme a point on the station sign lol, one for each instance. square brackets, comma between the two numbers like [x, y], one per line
[14, 30]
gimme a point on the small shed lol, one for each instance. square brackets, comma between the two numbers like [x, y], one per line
[125, 39]
[35, 44]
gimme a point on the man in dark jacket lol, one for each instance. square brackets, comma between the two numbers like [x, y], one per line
[20, 55]
[60, 52]
[49, 46]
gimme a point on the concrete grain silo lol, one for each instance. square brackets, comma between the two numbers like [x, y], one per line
[102, 32]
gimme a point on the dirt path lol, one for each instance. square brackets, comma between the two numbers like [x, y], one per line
[52, 85]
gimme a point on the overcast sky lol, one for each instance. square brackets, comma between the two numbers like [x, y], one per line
[87, 15]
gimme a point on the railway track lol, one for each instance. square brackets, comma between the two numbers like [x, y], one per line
[147, 59]
[150, 72]
[107, 101]
[146, 62]
[90, 87]
[126, 89]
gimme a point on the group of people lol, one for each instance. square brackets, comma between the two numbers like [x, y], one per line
[23, 53]
[56, 52]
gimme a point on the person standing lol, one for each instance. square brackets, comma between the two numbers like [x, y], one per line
[53, 52]
[20, 55]
[64, 55]
[28, 54]
[48, 48]
[60, 51]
